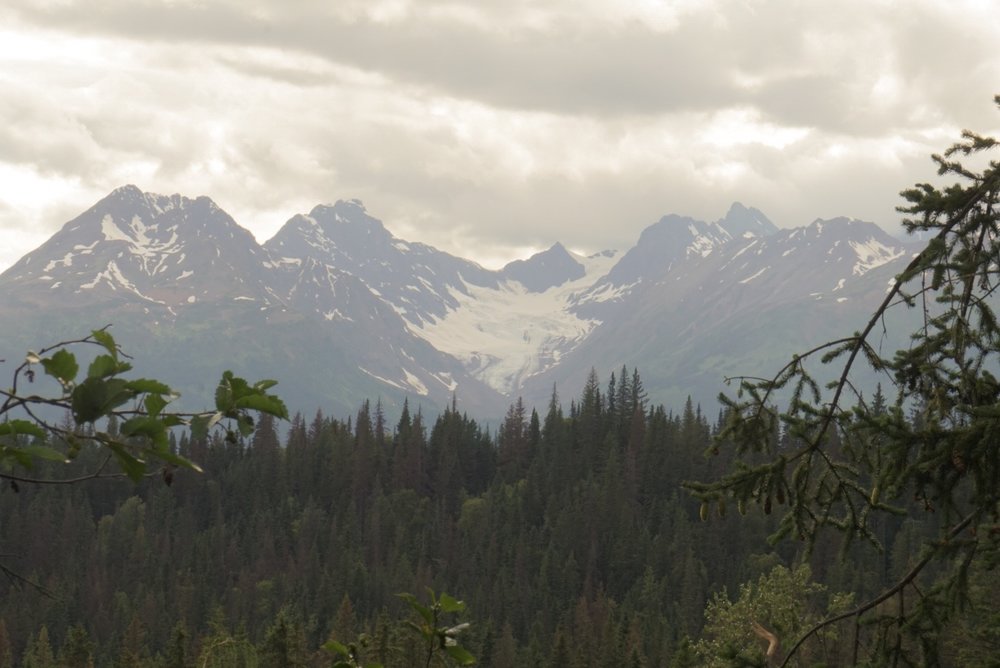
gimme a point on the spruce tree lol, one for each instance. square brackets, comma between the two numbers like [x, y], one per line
[284, 643]
[845, 460]
[39, 651]
[176, 654]
[78, 649]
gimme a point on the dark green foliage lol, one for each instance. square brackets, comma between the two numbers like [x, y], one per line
[39, 652]
[177, 648]
[834, 460]
[78, 649]
[331, 526]
[287, 541]
[284, 643]
[135, 406]
[437, 641]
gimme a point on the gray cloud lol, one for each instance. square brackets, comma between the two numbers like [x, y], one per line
[811, 57]
[626, 71]
[495, 126]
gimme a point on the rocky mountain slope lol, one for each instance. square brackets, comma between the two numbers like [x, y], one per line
[338, 309]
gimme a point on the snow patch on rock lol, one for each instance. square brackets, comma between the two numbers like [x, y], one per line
[872, 254]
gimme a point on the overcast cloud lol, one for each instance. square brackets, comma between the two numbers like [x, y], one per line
[492, 128]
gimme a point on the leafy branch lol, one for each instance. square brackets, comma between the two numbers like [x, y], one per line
[136, 406]
[438, 641]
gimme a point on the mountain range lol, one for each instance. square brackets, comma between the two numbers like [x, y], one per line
[338, 309]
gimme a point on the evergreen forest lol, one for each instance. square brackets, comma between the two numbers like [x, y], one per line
[565, 531]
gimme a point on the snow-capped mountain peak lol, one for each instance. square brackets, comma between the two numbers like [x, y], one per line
[870, 247]
[670, 242]
[133, 244]
[545, 270]
[342, 232]
[347, 224]
[339, 305]
[825, 257]
[741, 221]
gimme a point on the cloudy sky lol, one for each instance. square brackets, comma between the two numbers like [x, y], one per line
[487, 128]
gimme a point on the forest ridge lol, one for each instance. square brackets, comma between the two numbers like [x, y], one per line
[566, 532]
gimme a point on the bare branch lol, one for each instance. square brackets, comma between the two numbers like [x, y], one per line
[909, 577]
[773, 643]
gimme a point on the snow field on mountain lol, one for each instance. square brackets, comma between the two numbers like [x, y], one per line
[872, 254]
[503, 336]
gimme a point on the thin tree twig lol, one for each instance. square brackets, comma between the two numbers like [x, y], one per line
[884, 596]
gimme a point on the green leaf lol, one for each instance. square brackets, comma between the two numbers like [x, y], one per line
[171, 420]
[230, 389]
[103, 337]
[245, 424]
[26, 455]
[131, 465]
[22, 457]
[265, 403]
[336, 647]
[95, 398]
[147, 426]
[460, 655]
[171, 458]
[62, 366]
[44, 452]
[155, 404]
[234, 394]
[102, 366]
[106, 365]
[16, 427]
[264, 385]
[150, 386]
[201, 424]
[449, 604]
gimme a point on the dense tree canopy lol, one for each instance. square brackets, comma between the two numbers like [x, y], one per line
[589, 556]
